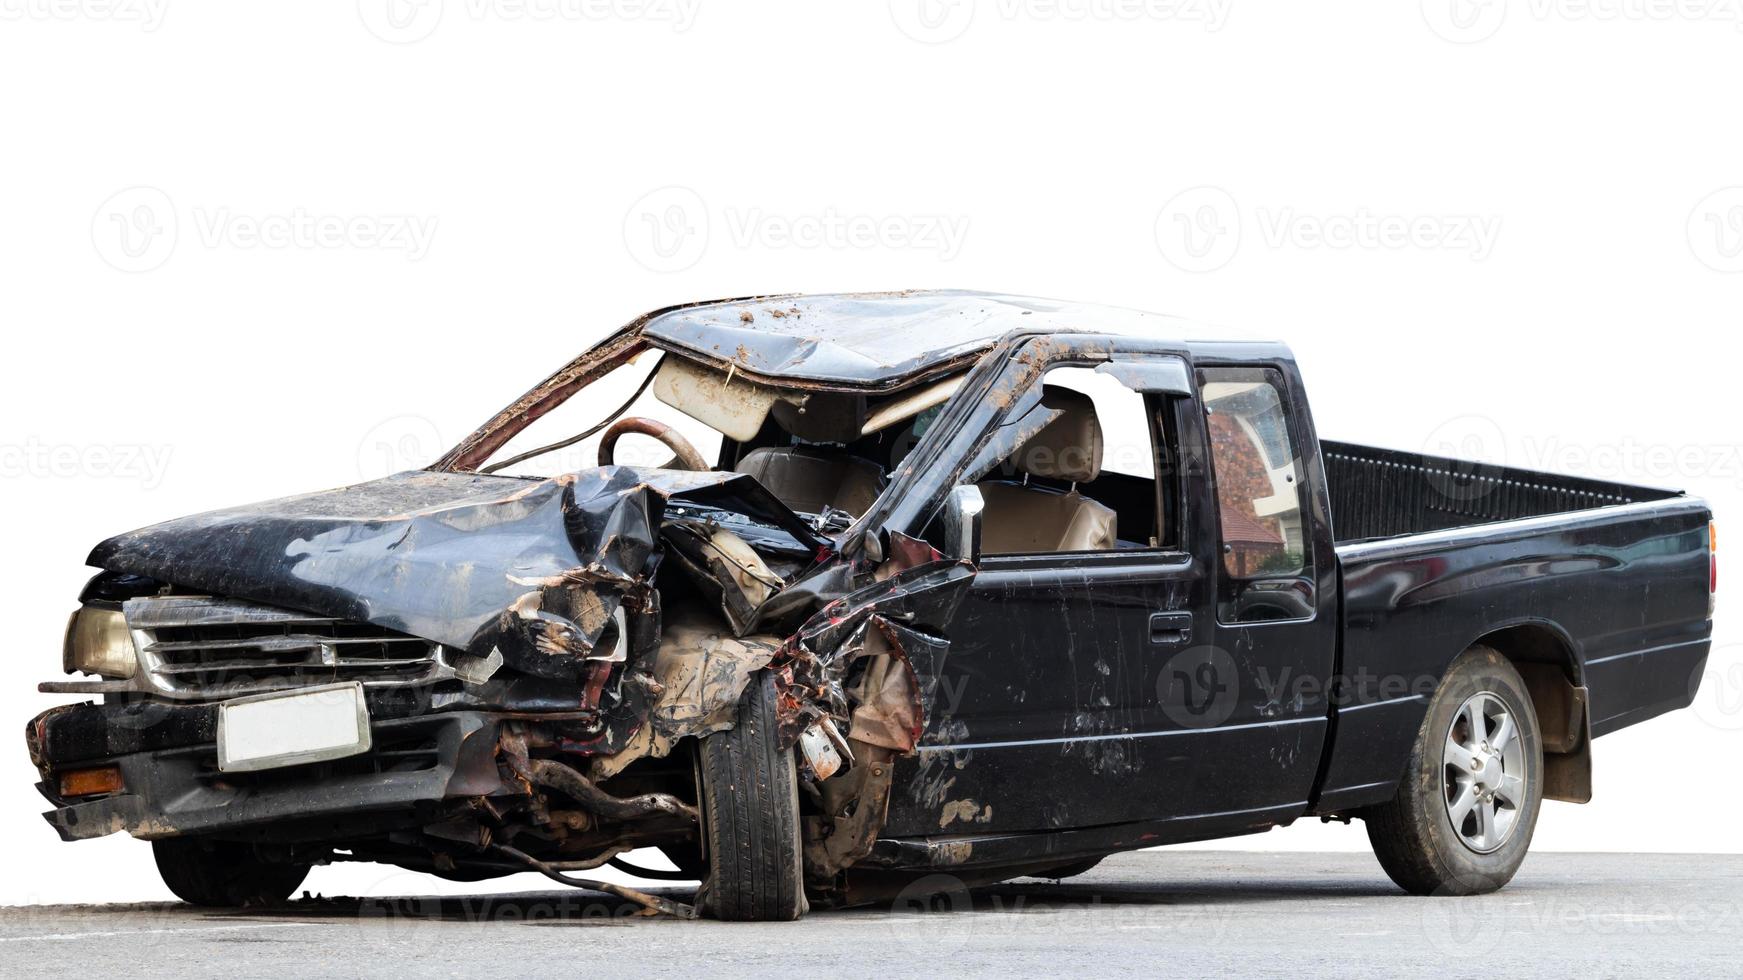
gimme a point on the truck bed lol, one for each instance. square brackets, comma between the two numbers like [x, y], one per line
[1602, 583]
[1385, 493]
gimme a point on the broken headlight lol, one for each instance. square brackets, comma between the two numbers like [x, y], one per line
[98, 642]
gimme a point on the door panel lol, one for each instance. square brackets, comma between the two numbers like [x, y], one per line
[1042, 705]
[1274, 633]
[1096, 688]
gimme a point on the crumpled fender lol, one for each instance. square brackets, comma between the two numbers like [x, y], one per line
[901, 616]
[868, 657]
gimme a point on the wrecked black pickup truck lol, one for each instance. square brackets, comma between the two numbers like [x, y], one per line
[932, 582]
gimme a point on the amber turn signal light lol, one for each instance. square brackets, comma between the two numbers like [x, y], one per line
[91, 782]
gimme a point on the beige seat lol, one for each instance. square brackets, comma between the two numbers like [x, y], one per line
[807, 482]
[1020, 518]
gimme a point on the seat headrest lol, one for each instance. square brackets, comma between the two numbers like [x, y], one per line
[1069, 446]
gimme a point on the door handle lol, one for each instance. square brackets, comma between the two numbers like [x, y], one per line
[1171, 629]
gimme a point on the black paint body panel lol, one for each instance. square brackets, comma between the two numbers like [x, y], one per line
[1060, 717]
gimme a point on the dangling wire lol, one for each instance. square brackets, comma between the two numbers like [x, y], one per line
[654, 902]
[572, 440]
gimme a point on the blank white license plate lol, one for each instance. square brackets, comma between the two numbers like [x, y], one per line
[314, 724]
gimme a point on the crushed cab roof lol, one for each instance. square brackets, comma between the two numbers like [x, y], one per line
[879, 339]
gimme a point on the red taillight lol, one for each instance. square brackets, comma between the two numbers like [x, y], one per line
[1712, 558]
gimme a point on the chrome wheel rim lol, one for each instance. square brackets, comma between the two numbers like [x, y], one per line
[1483, 777]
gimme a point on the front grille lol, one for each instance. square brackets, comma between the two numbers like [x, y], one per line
[198, 647]
[394, 752]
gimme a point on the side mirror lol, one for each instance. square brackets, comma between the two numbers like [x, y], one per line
[961, 521]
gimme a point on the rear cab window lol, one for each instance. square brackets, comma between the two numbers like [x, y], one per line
[1257, 474]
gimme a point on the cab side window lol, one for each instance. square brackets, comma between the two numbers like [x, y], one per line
[1077, 472]
[1258, 477]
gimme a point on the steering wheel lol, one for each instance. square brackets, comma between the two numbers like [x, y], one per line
[686, 458]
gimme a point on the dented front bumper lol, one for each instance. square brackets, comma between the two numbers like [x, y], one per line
[418, 767]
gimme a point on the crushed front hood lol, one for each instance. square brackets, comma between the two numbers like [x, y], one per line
[536, 568]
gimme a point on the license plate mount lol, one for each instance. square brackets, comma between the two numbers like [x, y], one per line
[290, 728]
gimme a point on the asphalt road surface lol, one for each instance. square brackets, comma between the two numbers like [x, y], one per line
[1184, 913]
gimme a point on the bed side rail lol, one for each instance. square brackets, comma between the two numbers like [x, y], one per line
[1381, 493]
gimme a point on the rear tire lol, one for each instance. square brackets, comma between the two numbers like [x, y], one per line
[750, 808]
[223, 874]
[1462, 819]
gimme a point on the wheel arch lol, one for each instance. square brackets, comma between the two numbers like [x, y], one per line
[1549, 662]
[1536, 641]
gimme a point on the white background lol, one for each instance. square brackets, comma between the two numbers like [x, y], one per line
[1555, 194]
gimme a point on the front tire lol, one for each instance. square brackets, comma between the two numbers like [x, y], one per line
[223, 874]
[1462, 819]
[750, 806]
